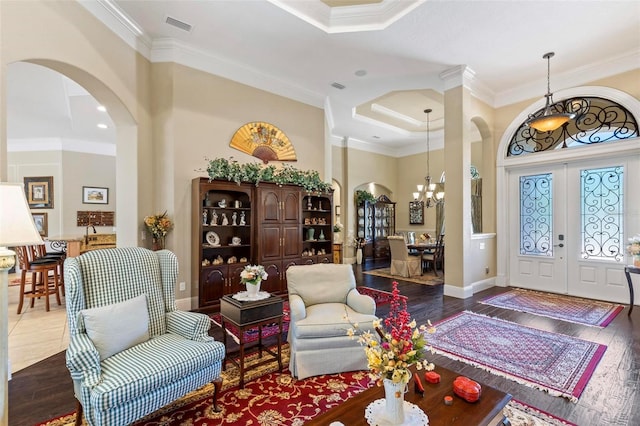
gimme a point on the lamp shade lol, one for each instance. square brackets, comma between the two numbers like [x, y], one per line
[16, 223]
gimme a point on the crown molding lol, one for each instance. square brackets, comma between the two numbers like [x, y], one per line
[120, 23]
[344, 19]
[171, 50]
[573, 78]
[60, 144]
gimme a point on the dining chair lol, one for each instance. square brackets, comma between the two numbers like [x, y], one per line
[434, 259]
[402, 264]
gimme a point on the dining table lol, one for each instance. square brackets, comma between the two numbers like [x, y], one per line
[422, 247]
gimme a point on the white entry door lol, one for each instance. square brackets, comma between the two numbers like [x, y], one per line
[537, 225]
[568, 226]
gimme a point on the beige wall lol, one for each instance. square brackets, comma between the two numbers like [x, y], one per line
[70, 171]
[196, 115]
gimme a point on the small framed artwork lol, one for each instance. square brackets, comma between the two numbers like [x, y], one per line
[40, 219]
[416, 213]
[95, 195]
[39, 192]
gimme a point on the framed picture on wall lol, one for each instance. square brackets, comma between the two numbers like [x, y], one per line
[95, 195]
[416, 213]
[39, 192]
[40, 219]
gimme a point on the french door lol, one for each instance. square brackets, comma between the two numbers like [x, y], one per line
[567, 226]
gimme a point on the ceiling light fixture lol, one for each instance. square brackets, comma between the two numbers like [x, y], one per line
[101, 108]
[426, 192]
[549, 121]
[102, 126]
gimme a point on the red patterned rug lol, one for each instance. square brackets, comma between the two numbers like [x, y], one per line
[558, 364]
[271, 398]
[251, 335]
[557, 306]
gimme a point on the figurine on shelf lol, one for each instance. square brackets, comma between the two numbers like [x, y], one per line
[231, 260]
[214, 219]
[225, 220]
[205, 262]
[218, 260]
[234, 219]
[309, 203]
[243, 260]
[204, 217]
[242, 219]
[319, 205]
[305, 253]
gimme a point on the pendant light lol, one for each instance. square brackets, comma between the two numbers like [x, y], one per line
[549, 121]
[426, 192]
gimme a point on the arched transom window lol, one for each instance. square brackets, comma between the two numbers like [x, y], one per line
[597, 120]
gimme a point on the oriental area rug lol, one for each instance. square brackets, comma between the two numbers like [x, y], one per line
[251, 335]
[272, 398]
[557, 306]
[426, 279]
[558, 364]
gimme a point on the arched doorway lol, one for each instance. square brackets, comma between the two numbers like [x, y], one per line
[568, 211]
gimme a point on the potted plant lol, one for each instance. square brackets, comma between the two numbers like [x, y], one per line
[362, 196]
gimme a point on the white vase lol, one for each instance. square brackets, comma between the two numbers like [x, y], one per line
[394, 401]
[253, 289]
[359, 256]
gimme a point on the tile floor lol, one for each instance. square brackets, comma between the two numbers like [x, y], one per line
[35, 334]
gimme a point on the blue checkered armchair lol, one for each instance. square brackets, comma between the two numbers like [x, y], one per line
[130, 351]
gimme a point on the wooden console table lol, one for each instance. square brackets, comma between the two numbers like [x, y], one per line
[245, 315]
[486, 411]
[628, 270]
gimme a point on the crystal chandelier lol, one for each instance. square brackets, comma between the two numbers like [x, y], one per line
[549, 121]
[427, 193]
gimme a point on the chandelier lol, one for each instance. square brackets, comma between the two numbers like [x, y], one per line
[427, 193]
[549, 121]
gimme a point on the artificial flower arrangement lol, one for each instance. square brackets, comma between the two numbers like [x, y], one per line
[633, 248]
[398, 344]
[337, 227]
[158, 225]
[253, 274]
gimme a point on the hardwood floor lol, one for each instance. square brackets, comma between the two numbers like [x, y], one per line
[612, 396]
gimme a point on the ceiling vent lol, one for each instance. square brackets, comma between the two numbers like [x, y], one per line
[178, 24]
[338, 85]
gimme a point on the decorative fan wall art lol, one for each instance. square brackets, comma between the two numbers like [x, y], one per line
[264, 141]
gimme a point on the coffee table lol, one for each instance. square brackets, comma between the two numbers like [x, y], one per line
[247, 314]
[486, 411]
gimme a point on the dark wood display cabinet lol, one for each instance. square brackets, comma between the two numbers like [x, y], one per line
[376, 221]
[268, 225]
[222, 237]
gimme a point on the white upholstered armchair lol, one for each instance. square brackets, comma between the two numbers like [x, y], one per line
[319, 297]
[130, 351]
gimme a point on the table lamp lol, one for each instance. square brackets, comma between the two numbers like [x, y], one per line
[16, 229]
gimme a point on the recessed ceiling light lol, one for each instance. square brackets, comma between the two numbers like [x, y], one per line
[361, 73]
[337, 85]
[102, 125]
[375, 137]
[101, 108]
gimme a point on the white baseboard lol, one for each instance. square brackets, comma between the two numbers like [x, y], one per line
[466, 292]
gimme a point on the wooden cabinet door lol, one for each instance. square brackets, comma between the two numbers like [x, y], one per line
[269, 242]
[273, 283]
[233, 279]
[270, 209]
[213, 281]
[291, 206]
[292, 243]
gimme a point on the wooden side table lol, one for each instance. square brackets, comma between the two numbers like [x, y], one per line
[245, 315]
[628, 270]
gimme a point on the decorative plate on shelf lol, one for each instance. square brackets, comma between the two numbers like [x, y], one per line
[213, 238]
[360, 211]
[361, 221]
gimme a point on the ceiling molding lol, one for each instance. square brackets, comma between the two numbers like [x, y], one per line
[171, 50]
[576, 77]
[117, 21]
[60, 144]
[333, 20]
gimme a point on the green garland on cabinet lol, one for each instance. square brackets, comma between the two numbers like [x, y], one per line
[221, 168]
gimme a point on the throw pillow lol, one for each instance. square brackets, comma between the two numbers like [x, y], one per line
[114, 328]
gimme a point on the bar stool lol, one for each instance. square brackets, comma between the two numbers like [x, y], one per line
[42, 284]
[40, 252]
